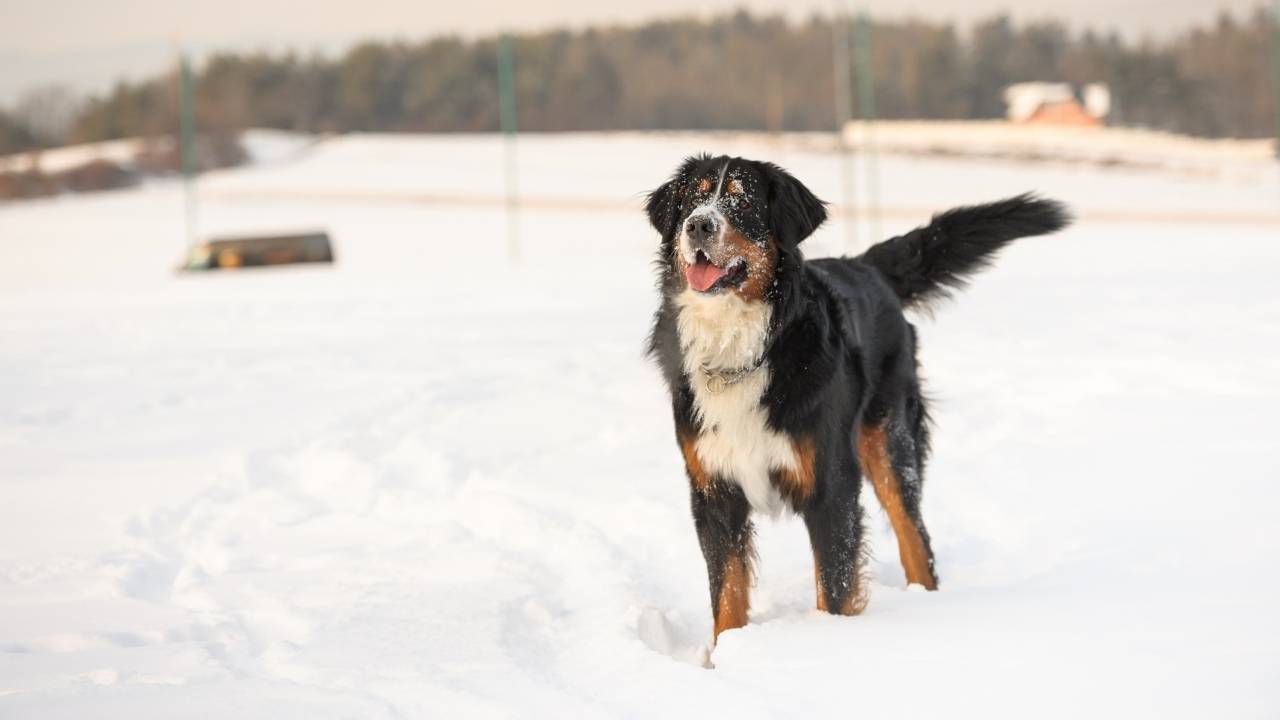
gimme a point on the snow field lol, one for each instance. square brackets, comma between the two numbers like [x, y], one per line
[427, 483]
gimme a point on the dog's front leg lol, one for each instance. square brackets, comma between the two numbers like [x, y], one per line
[722, 517]
[835, 532]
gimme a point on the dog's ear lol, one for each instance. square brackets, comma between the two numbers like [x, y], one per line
[662, 206]
[794, 211]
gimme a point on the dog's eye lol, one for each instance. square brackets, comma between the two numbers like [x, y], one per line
[743, 204]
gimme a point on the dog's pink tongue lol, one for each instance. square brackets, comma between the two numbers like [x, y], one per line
[702, 275]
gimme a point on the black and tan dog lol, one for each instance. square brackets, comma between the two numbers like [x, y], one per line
[791, 380]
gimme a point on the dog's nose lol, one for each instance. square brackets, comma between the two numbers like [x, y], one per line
[700, 228]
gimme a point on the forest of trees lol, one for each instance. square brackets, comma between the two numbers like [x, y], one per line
[733, 72]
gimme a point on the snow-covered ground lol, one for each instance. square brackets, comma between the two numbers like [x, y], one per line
[428, 483]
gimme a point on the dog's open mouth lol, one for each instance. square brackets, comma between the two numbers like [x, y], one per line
[705, 276]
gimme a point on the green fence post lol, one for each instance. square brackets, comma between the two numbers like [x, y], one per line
[507, 113]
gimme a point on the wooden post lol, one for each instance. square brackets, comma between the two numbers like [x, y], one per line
[773, 104]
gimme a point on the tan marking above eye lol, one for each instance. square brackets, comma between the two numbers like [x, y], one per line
[704, 185]
[735, 187]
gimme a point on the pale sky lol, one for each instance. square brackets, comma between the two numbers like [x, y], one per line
[87, 44]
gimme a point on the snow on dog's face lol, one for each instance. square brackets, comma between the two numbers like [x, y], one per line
[725, 222]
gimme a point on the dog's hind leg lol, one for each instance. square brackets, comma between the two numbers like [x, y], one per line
[892, 456]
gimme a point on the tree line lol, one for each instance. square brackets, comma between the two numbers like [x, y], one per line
[736, 72]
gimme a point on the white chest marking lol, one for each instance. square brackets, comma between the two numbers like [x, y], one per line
[724, 331]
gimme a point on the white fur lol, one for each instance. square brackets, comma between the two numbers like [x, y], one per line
[723, 331]
[710, 208]
[684, 245]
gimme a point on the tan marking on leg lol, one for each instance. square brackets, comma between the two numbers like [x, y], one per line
[796, 484]
[735, 595]
[698, 476]
[817, 584]
[873, 452]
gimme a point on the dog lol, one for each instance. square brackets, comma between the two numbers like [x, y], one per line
[791, 380]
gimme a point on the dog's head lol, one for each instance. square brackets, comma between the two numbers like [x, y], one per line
[728, 220]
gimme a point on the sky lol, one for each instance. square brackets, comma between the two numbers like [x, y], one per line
[88, 44]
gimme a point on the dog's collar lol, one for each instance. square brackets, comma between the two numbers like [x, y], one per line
[720, 379]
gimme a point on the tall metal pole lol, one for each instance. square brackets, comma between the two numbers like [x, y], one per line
[507, 114]
[867, 111]
[844, 110]
[187, 142]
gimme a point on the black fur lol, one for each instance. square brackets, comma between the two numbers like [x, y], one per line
[924, 264]
[794, 212]
[840, 353]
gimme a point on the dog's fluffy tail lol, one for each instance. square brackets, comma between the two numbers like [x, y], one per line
[927, 263]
